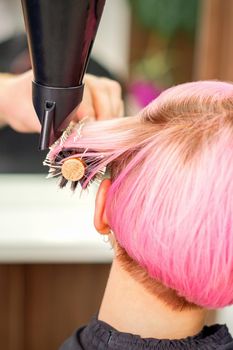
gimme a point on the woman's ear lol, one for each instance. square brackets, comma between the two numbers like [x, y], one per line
[100, 218]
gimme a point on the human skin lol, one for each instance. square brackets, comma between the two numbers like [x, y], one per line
[129, 307]
[102, 100]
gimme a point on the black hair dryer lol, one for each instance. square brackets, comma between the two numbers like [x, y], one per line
[60, 37]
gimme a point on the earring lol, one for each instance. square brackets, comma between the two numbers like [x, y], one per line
[108, 237]
[105, 238]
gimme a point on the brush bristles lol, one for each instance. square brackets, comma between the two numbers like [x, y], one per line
[56, 165]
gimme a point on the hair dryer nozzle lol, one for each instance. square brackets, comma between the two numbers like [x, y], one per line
[54, 106]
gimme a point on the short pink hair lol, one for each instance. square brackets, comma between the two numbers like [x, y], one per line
[171, 201]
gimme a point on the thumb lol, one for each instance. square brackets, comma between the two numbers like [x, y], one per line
[86, 107]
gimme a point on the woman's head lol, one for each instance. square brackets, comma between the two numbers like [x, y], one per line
[170, 204]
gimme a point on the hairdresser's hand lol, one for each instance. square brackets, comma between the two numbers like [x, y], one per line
[16, 109]
[102, 99]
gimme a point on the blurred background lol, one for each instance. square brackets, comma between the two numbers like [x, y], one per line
[53, 265]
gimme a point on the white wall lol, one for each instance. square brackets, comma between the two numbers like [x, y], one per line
[226, 316]
[11, 18]
[112, 42]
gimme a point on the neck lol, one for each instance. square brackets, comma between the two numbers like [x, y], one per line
[126, 299]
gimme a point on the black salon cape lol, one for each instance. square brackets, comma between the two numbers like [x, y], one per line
[99, 335]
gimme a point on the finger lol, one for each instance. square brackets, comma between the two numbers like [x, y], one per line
[104, 95]
[115, 95]
[86, 107]
[121, 109]
[102, 103]
[33, 125]
[36, 126]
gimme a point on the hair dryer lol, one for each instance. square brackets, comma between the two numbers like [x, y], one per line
[60, 36]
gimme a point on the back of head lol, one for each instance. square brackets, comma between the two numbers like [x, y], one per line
[170, 205]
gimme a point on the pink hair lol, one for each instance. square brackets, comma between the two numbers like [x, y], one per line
[171, 201]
